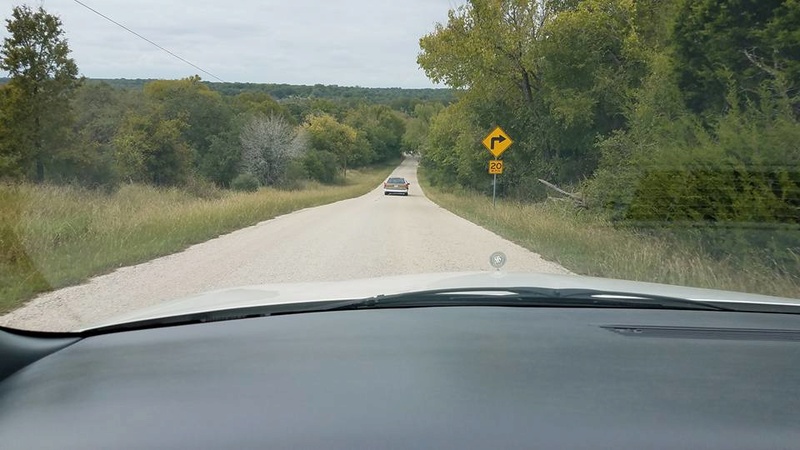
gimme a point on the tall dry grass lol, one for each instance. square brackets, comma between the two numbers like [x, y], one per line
[55, 236]
[588, 244]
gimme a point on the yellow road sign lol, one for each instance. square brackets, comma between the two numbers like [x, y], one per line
[495, 167]
[497, 142]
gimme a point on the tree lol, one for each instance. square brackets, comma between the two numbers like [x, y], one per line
[490, 45]
[223, 160]
[15, 152]
[98, 112]
[326, 134]
[206, 116]
[499, 54]
[320, 165]
[269, 143]
[149, 148]
[741, 42]
[451, 150]
[382, 129]
[36, 109]
[258, 103]
[592, 60]
[418, 125]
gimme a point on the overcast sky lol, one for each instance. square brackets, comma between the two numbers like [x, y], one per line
[371, 43]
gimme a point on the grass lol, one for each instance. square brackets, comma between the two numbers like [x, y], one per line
[57, 236]
[587, 243]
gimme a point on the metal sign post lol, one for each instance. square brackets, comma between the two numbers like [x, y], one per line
[494, 190]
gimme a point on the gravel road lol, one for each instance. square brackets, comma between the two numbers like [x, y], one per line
[369, 236]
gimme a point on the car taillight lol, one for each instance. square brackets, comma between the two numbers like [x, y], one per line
[384, 184]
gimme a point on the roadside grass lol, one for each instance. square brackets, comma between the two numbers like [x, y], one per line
[57, 236]
[586, 243]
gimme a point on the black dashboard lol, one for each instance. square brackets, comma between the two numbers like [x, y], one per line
[453, 377]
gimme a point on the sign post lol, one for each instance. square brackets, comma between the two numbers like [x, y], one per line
[496, 142]
[495, 168]
[494, 190]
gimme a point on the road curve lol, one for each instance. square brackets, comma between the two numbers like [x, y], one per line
[369, 236]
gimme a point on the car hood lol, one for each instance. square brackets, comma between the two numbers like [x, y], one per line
[286, 293]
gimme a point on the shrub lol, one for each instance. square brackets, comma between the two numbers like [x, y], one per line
[245, 182]
[202, 188]
[321, 165]
[294, 176]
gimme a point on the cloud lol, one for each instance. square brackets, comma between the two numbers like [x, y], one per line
[352, 42]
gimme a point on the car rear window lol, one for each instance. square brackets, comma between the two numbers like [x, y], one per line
[397, 180]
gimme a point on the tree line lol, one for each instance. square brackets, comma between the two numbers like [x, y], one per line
[397, 98]
[679, 114]
[61, 128]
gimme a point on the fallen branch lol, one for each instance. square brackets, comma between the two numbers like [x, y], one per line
[579, 201]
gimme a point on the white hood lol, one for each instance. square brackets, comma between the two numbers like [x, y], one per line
[269, 294]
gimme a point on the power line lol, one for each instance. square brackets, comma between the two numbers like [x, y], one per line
[148, 40]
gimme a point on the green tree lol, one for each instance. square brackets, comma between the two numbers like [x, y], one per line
[301, 109]
[36, 110]
[720, 43]
[149, 149]
[16, 148]
[488, 51]
[477, 49]
[221, 163]
[205, 115]
[507, 59]
[451, 151]
[418, 125]
[381, 127]
[259, 103]
[591, 62]
[320, 165]
[326, 134]
[98, 110]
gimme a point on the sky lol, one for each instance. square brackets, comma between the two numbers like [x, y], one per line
[369, 43]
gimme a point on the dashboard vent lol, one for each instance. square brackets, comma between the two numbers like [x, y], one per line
[735, 334]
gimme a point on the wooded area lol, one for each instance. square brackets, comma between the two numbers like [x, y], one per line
[665, 114]
[58, 128]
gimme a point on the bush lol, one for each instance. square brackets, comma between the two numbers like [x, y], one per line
[245, 182]
[731, 184]
[202, 188]
[321, 165]
[86, 164]
[294, 176]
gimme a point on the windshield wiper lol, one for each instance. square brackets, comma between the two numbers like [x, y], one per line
[527, 297]
[501, 296]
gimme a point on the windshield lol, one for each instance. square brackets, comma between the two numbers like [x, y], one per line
[154, 151]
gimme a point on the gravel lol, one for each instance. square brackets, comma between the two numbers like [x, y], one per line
[369, 236]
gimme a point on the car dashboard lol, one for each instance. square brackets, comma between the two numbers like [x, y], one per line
[447, 377]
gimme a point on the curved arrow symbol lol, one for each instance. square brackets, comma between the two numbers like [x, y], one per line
[496, 139]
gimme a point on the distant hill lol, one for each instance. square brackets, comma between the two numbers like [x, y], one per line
[400, 98]
[289, 91]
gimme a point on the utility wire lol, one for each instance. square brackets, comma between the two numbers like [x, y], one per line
[148, 40]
